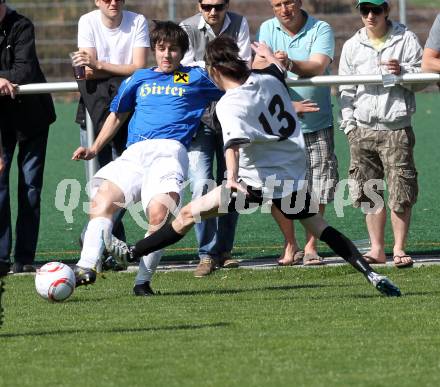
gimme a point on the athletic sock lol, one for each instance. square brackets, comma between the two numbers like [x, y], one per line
[163, 237]
[93, 244]
[147, 267]
[345, 248]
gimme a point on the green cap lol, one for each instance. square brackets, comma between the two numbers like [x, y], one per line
[375, 2]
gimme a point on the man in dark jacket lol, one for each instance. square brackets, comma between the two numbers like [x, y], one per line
[24, 121]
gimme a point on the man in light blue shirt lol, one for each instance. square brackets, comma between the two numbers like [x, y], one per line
[306, 46]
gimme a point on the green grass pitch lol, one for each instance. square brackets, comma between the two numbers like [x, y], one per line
[280, 327]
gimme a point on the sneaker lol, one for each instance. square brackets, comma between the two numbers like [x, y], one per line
[120, 251]
[227, 262]
[384, 285]
[205, 267]
[84, 276]
[19, 267]
[143, 289]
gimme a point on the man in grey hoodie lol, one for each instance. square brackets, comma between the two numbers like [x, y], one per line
[377, 121]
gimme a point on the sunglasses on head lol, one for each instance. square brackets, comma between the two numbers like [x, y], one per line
[210, 7]
[365, 10]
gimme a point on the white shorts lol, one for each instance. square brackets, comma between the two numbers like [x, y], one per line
[145, 169]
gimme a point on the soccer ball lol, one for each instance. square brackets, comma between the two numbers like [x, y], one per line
[55, 281]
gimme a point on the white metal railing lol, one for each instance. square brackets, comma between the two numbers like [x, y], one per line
[324, 80]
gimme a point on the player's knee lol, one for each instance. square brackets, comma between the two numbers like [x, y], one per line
[101, 206]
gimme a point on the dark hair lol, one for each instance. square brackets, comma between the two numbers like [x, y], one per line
[222, 53]
[167, 31]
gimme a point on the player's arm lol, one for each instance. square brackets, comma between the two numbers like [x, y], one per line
[96, 69]
[232, 155]
[108, 131]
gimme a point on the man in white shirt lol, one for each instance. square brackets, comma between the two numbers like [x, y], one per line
[111, 41]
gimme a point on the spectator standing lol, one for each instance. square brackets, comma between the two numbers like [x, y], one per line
[305, 46]
[215, 236]
[377, 121]
[112, 43]
[24, 123]
[431, 53]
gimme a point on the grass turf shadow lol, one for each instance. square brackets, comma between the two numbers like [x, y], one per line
[239, 291]
[115, 330]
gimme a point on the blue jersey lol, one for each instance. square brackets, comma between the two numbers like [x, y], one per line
[166, 105]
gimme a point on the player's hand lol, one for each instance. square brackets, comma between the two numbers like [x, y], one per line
[83, 153]
[305, 106]
[234, 186]
[8, 88]
[393, 66]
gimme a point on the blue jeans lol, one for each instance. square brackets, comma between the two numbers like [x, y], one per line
[216, 235]
[109, 153]
[30, 161]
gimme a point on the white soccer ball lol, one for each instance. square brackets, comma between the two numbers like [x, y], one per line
[55, 281]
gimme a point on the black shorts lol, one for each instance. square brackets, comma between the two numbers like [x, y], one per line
[298, 205]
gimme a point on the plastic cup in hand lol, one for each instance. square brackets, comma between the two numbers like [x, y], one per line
[388, 79]
[79, 72]
[363, 245]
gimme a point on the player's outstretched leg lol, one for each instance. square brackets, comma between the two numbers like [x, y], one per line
[124, 253]
[345, 248]
[170, 233]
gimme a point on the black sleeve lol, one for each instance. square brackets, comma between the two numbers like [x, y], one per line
[24, 63]
[236, 141]
[275, 71]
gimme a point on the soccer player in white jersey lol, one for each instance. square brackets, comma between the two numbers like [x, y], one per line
[263, 144]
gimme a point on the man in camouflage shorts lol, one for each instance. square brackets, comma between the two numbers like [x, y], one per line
[377, 121]
[390, 156]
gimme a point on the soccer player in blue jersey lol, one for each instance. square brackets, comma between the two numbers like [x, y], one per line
[168, 102]
[263, 143]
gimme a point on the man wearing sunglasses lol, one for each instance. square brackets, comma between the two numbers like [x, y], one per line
[215, 236]
[112, 44]
[305, 46]
[377, 121]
